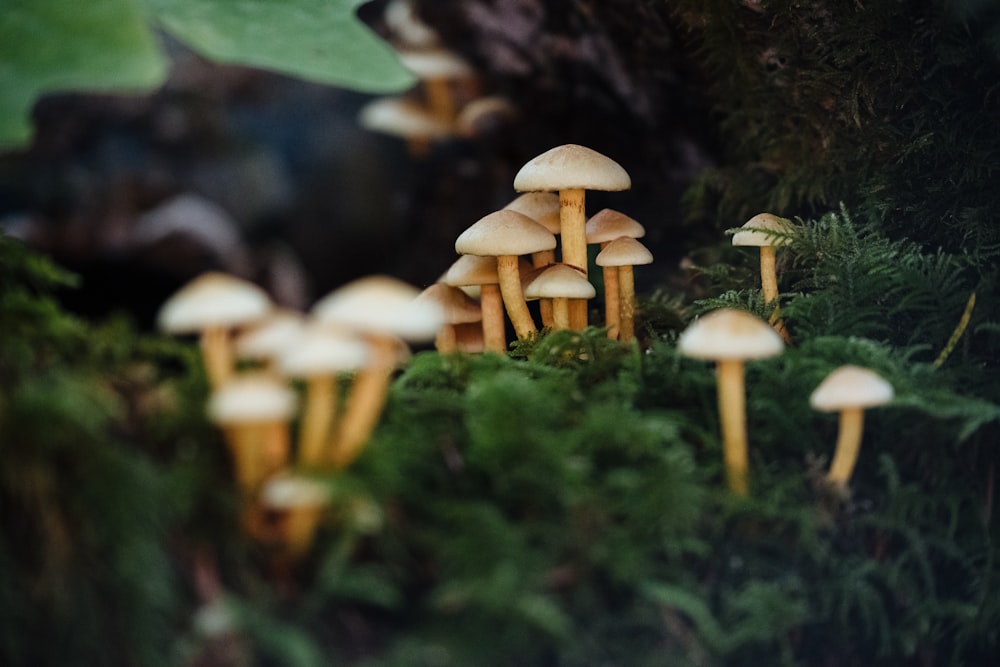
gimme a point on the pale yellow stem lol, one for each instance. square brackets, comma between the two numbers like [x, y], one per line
[845, 456]
[317, 419]
[612, 308]
[365, 402]
[440, 99]
[626, 289]
[560, 313]
[732, 417]
[573, 240]
[494, 334]
[538, 260]
[513, 297]
[299, 526]
[217, 355]
[257, 450]
[769, 288]
[445, 342]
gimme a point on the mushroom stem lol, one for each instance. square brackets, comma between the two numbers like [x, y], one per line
[491, 302]
[560, 313]
[258, 451]
[538, 260]
[440, 99]
[732, 416]
[573, 237]
[845, 456]
[365, 402]
[513, 297]
[217, 355]
[626, 290]
[612, 308]
[446, 342]
[769, 287]
[317, 418]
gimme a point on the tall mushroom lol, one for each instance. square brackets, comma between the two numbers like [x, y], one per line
[560, 283]
[213, 304]
[571, 170]
[481, 272]
[767, 232]
[507, 235]
[730, 337]
[543, 208]
[622, 255]
[849, 390]
[382, 310]
[602, 228]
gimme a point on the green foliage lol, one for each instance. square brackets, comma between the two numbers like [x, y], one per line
[51, 46]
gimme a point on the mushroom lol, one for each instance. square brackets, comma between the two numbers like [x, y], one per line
[254, 411]
[299, 503]
[457, 307]
[506, 235]
[571, 170]
[622, 255]
[730, 337]
[484, 116]
[560, 282]
[406, 119]
[849, 390]
[406, 28]
[319, 354]
[213, 304]
[382, 310]
[602, 228]
[264, 341]
[437, 68]
[481, 272]
[767, 232]
[543, 208]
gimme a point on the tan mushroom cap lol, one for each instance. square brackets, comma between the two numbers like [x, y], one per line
[764, 229]
[213, 299]
[560, 281]
[504, 233]
[728, 333]
[542, 207]
[571, 166]
[269, 336]
[435, 63]
[252, 399]
[851, 387]
[320, 350]
[380, 305]
[457, 306]
[484, 114]
[624, 251]
[402, 117]
[608, 224]
[471, 270]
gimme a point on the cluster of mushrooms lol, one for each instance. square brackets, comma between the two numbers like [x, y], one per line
[344, 352]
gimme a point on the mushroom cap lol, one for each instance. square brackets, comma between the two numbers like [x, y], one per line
[624, 251]
[407, 27]
[728, 333]
[503, 233]
[435, 63]
[560, 281]
[380, 305]
[851, 387]
[213, 299]
[608, 224]
[542, 207]
[269, 336]
[252, 399]
[285, 492]
[320, 350]
[484, 115]
[764, 229]
[471, 270]
[402, 117]
[457, 306]
[469, 338]
[571, 166]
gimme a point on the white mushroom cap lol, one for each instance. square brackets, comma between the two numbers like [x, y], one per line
[406, 27]
[608, 224]
[571, 166]
[286, 492]
[457, 306]
[321, 350]
[435, 63]
[624, 251]
[213, 299]
[851, 387]
[401, 117]
[380, 305]
[764, 229]
[542, 207]
[503, 233]
[560, 281]
[252, 399]
[266, 338]
[729, 334]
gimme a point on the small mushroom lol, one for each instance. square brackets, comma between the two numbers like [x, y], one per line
[623, 254]
[438, 69]
[849, 390]
[300, 503]
[560, 282]
[406, 119]
[264, 341]
[214, 304]
[484, 117]
[571, 170]
[730, 337]
[457, 307]
[254, 411]
[481, 272]
[602, 228]
[767, 232]
[506, 235]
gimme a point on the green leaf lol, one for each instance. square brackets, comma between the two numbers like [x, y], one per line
[53, 45]
[318, 40]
